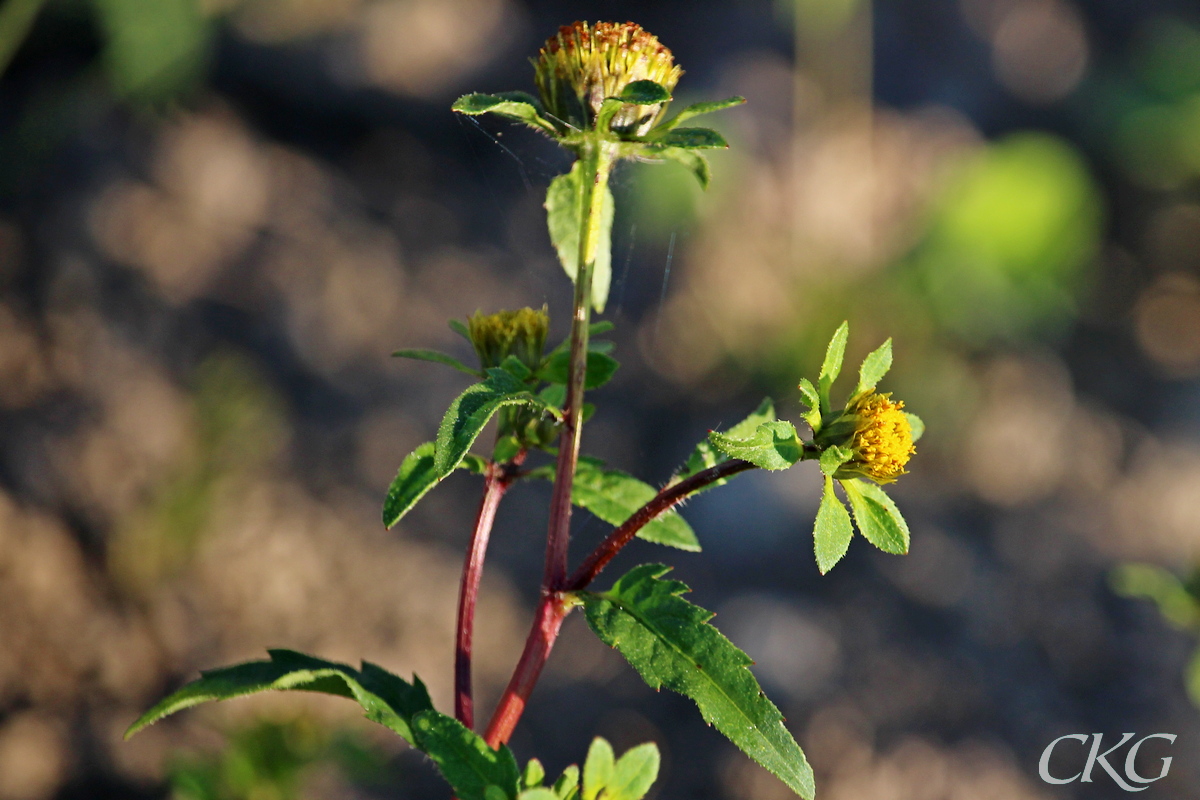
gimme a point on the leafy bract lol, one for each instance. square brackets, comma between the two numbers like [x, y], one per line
[437, 358]
[877, 517]
[706, 455]
[513, 105]
[472, 410]
[874, 367]
[464, 758]
[694, 139]
[564, 216]
[773, 445]
[831, 367]
[917, 425]
[832, 531]
[614, 496]
[600, 368]
[597, 769]
[695, 162]
[696, 109]
[386, 698]
[834, 457]
[670, 643]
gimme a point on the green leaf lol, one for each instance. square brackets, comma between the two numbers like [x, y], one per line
[705, 455]
[464, 758]
[458, 327]
[614, 496]
[594, 330]
[696, 109]
[564, 215]
[538, 793]
[812, 399]
[600, 369]
[644, 93]
[774, 445]
[832, 531]
[153, 51]
[917, 425]
[874, 367]
[1192, 677]
[832, 366]
[567, 785]
[834, 457]
[694, 139]
[512, 105]
[416, 477]
[437, 358]
[386, 698]
[634, 773]
[597, 769]
[516, 367]
[534, 775]
[668, 641]
[471, 411]
[476, 465]
[877, 517]
[697, 163]
[495, 793]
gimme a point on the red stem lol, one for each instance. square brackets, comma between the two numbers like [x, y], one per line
[556, 605]
[496, 481]
[607, 550]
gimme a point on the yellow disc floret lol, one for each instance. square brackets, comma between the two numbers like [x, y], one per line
[882, 442]
[583, 64]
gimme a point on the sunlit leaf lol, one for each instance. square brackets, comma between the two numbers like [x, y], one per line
[773, 445]
[564, 216]
[832, 532]
[513, 105]
[464, 758]
[874, 367]
[877, 517]
[471, 411]
[696, 109]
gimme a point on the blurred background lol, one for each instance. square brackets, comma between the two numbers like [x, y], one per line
[219, 217]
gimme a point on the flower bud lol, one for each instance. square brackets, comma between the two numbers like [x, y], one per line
[583, 64]
[881, 441]
[517, 333]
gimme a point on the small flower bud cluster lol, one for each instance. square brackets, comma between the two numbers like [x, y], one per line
[518, 333]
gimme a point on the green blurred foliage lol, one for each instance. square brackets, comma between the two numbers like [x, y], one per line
[155, 49]
[1157, 132]
[270, 760]
[239, 428]
[1010, 240]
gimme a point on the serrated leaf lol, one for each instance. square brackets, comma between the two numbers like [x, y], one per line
[694, 139]
[834, 457]
[917, 425]
[811, 398]
[597, 768]
[705, 455]
[696, 109]
[697, 163]
[564, 215]
[874, 367]
[386, 698]
[877, 517]
[832, 532]
[614, 496]
[600, 369]
[464, 758]
[634, 773]
[415, 478]
[513, 106]
[835, 353]
[437, 358]
[773, 445]
[668, 641]
[471, 411]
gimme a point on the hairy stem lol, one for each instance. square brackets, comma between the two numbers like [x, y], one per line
[597, 161]
[667, 497]
[496, 481]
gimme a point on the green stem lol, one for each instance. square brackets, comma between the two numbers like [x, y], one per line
[597, 161]
[16, 18]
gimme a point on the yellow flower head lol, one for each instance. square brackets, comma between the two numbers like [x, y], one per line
[519, 333]
[583, 64]
[882, 442]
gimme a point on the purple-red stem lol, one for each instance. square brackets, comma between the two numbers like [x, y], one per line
[495, 483]
[555, 605]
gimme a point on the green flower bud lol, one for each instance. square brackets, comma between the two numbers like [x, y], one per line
[517, 333]
[584, 64]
